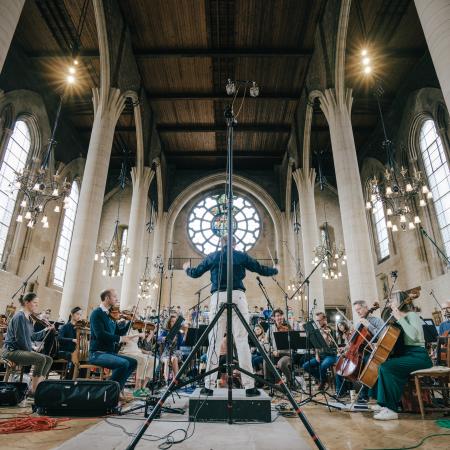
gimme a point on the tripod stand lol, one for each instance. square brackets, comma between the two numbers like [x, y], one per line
[229, 307]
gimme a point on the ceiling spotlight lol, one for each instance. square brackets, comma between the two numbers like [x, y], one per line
[366, 61]
[230, 87]
[367, 70]
[72, 70]
[364, 52]
[254, 90]
[75, 61]
[70, 79]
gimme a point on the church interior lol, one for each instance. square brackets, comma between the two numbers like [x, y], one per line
[135, 135]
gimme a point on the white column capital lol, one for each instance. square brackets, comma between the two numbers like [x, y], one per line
[334, 102]
[305, 179]
[141, 178]
[108, 102]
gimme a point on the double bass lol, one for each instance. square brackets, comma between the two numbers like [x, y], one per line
[350, 362]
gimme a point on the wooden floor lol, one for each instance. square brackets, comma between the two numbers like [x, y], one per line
[337, 430]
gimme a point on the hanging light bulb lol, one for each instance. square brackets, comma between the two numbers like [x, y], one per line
[23, 204]
[102, 261]
[368, 205]
[96, 257]
[128, 260]
[394, 228]
[389, 224]
[389, 212]
[416, 219]
[388, 191]
[19, 218]
[422, 202]
[409, 188]
[411, 226]
[45, 225]
[30, 224]
[424, 189]
[104, 272]
[402, 218]
[44, 219]
[36, 187]
[55, 192]
[28, 215]
[57, 209]
[429, 195]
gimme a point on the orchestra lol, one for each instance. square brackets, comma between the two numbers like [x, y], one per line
[126, 345]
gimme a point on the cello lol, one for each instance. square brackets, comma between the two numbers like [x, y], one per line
[387, 339]
[350, 362]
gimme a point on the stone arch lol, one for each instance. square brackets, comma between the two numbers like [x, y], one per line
[241, 183]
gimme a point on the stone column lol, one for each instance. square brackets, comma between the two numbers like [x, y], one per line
[434, 16]
[9, 18]
[138, 214]
[360, 264]
[305, 181]
[80, 264]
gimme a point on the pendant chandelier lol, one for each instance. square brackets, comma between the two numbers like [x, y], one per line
[40, 186]
[396, 190]
[333, 256]
[114, 254]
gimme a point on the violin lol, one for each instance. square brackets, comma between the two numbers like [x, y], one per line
[116, 314]
[82, 323]
[50, 344]
[143, 326]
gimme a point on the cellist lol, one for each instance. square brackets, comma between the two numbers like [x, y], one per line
[374, 325]
[393, 374]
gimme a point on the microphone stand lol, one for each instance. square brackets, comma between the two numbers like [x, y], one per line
[270, 307]
[27, 279]
[440, 252]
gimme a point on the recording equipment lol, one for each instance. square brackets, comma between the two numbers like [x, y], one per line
[11, 394]
[76, 398]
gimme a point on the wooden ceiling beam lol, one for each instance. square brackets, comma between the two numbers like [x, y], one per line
[183, 96]
[158, 53]
[241, 154]
[207, 128]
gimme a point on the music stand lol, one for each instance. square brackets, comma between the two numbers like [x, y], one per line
[315, 340]
[298, 342]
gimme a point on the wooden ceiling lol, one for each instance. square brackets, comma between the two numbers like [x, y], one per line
[186, 50]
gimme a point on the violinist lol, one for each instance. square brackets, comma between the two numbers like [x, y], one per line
[142, 351]
[282, 358]
[393, 374]
[105, 335]
[171, 355]
[17, 346]
[67, 334]
[319, 365]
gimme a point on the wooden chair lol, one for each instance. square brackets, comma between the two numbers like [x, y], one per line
[11, 368]
[436, 378]
[80, 357]
[59, 366]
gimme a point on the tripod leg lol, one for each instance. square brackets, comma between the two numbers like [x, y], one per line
[175, 381]
[283, 386]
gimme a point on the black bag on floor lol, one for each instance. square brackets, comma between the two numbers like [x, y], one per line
[76, 398]
[11, 394]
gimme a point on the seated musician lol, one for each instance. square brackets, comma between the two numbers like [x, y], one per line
[343, 335]
[171, 354]
[393, 374]
[257, 359]
[105, 337]
[17, 346]
[319, 365]
[142, 351]
[445, 325]
[374, 325]
[281, 358]
[67, 334]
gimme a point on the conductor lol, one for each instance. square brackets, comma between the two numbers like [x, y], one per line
[216, 263]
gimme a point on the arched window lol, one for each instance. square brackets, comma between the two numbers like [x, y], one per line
[381, 232]
[14, 160]
[207, 223]
[66, 236]
[436, 168]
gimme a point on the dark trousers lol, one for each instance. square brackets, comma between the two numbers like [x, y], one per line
[319, 369]
[122, 366]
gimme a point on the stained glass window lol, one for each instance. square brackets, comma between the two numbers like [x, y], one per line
[207, 223]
